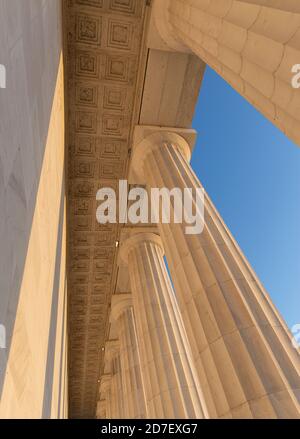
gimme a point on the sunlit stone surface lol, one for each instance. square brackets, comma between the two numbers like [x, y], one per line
[94, 326]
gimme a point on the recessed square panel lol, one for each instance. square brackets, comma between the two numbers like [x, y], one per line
[111, 148]
[81, 253]
[117, 69]
[84, 168]
[124, 6]
[83, 206]
[114, 98]
[113, 170]
[120, 35]
[81, 188]
[87, 65]
[88, 30]
[87, 95]
[80, 266]
[85, 146]
[82, 239]
[86, 122]
[103, 253]
[112, 124]
[95, 3]
[82, 223]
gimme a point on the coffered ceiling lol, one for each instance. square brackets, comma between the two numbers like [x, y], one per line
[104, 70]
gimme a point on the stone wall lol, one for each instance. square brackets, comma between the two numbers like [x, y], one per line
[33, 378]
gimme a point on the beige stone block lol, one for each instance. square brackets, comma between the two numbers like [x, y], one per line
[283, 405]
[210, 327]
[243, 15]
[264, 52]
[230, 59]
[210, 45]
[210, 25]
[293, 107]
[259, 79]
[214, 391]
[262, 408]
[224, 316]
[283, 93]
[294, 42]
[283, 5]
[228, 374]
[219, 9]
[242, 412]
[212, 61]
[232, 36]
[276, 24]
[200, 4]
[245, 367]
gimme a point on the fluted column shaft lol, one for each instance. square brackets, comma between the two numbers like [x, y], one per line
[105, 395]
[252, 44]
[112, 356]
[169, 376]
[242, 348]
[101, 409]
[122, 313]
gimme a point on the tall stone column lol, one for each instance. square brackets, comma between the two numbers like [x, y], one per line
[101, 409]
[252, 44]
[112, 355]
[134, 397]
[105, 394]
[170, 379]
[242, 348]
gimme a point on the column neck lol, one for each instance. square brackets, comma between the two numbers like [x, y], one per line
[120, 303]
[135, 241]
[149, 139]
[161, 25]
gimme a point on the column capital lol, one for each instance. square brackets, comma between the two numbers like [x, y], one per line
[136, 240]
[119, 303]
[161, 34]
[148, 138]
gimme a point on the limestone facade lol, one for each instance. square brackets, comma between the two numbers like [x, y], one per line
[33, 302]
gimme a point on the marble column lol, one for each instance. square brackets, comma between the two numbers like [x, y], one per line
[246, 363]
[252, 44]
[101, 409]
[112, 356]
[134, 397]
[169, 376]
[105, 394]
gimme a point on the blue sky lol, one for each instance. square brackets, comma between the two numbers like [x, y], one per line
[252, 173]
